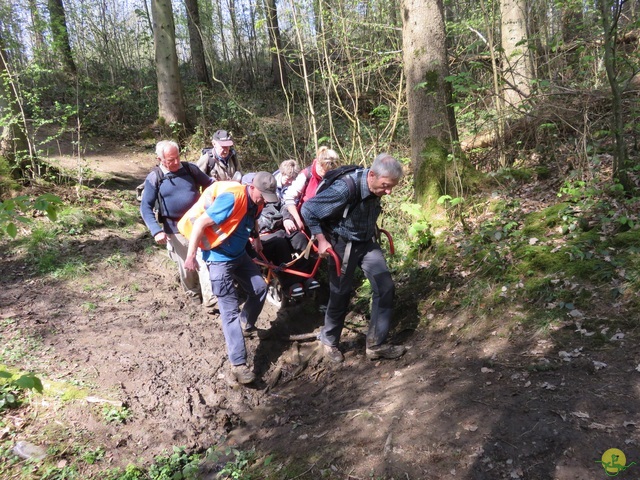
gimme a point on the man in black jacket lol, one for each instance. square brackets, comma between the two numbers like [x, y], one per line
[343, 217]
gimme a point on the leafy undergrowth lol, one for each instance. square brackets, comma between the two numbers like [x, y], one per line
[529, 257]
[556, 254]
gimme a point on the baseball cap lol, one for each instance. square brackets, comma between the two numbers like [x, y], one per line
[223, 138]
[266, 185]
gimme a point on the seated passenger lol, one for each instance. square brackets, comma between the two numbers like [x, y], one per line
[276, 246]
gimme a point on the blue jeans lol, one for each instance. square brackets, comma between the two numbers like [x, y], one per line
[369, 257]
[247, 274]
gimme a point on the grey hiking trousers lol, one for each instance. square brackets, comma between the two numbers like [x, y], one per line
[369, 257]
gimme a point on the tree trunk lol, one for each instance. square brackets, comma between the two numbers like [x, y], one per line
[223, 42]
[38, 26]
[14, 145]
[171, 107]
[571, 21]
[610, 10]
[280, 77]
[327, 34]
[195, 42]
[237, 42]
[517, 70]
[432, 127]
[61, 35]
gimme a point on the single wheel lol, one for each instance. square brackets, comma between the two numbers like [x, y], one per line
[275, 294]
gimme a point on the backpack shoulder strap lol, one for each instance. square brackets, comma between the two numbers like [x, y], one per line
[354, 190]
[353, 184]
[159, 200]
[189, 168]
[307, 177]
[211, 159]
[159, 177]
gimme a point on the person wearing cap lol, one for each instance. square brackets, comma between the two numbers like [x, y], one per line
[221, 161]
[229, 213]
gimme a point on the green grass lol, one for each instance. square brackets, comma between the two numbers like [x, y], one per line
[46, 251]
[628, 239]
[42, 237]
[127, 215]
[71, 268]
[89, 306]
[75, 220]
[120, 260]
[18, 346]
[113, 414]
[541, 221]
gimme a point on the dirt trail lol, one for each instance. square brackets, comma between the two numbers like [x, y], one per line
[463, 403]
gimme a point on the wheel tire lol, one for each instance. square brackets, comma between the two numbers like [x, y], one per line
[275, 294]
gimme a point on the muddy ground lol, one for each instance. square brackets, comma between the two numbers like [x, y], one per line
[473, 398]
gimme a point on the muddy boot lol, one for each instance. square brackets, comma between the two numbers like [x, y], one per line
[211, 305]
[253, 332]
[242, 374]
[386, 351]
[333, 354]
[194, 299]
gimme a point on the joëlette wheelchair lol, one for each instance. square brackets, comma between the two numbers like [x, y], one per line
[276, 294]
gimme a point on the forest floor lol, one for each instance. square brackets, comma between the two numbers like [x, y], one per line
[471, 399]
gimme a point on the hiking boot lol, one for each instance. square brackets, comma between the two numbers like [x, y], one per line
[386, 350]
[211, 307]
[194, 299]
[211, 303]
[254, 331]
[332, 353]
[242, 374]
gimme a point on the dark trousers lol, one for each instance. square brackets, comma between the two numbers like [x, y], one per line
[369, 257]
[248, 276]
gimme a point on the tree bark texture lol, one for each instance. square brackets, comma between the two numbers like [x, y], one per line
[610, 11]
[14, 145]
[517, 70]
[431, 121]
[60, 35]
[278, 62]
[38, 27]
[171, 107]
[195, 42]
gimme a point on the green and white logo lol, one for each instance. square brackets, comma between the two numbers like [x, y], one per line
[614, 461]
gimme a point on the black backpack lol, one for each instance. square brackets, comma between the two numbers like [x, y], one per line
[159, 179]
[352, 183]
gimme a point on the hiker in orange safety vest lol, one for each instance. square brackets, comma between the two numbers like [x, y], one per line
[227, 221]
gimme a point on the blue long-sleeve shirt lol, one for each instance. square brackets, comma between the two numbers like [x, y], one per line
[234, 245]
[177, 193]
[326, 210]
